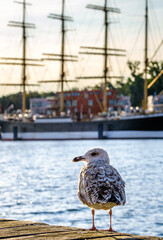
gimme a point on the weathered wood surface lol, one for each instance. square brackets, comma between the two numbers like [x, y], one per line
[16, 230]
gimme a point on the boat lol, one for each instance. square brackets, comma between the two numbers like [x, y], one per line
[141, 126]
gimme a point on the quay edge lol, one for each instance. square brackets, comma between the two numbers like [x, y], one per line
[13, 229]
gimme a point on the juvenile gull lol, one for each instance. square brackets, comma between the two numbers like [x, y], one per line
[100, 184]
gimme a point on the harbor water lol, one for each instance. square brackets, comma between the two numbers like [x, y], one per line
[39, 182]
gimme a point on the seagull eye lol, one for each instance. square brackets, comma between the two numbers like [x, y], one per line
[94, 154]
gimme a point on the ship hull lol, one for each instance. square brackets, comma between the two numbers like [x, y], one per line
[140, 127]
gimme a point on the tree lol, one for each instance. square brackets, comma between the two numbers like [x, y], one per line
[154, 69]
[123, 88]
[16, 99]
[134, 85]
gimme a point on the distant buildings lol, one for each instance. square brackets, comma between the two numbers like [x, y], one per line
[85, 103]
[124, 103]
[38, 105]
[155, 103]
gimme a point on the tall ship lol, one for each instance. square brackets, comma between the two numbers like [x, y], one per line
[142, 126]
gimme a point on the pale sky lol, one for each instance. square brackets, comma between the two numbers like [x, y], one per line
[126, 31]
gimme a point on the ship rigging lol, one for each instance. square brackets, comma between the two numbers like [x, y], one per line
[104, 51]
[23, 61]
[62, 57]
[146, 60]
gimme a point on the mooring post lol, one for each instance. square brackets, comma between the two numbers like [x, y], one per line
[15, 133]
[100, 130]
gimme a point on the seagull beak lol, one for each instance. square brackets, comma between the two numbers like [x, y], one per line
[77, 159]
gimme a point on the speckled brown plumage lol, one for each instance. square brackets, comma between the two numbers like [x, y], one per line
[100, 184]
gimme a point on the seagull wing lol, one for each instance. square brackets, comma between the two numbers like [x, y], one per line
[117, 184]
[101, 184]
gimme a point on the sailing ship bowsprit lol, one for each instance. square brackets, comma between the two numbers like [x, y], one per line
[131, 127]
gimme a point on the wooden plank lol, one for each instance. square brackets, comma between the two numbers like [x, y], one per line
[17, 230]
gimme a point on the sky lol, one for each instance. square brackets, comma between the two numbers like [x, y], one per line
[126, 31]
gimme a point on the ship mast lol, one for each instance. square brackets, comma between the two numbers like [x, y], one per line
[105, 58]
[146, 57]
[24, 61]
[103, 51]
[62, 57]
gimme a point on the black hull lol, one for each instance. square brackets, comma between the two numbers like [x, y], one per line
[128, 128]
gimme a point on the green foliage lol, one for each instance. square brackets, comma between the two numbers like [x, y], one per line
[123, 88]
[154, 69]
[75, 89]
[16, 99]
[134, 86]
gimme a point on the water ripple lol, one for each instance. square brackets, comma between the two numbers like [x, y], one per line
[39, 183]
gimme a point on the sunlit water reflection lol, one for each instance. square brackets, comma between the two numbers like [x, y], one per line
[39, 182]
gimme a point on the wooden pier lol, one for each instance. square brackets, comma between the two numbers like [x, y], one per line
[12, 229]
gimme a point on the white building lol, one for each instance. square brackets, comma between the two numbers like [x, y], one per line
[155, 103]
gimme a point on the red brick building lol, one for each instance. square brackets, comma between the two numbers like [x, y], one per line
[85, 102]
[79, 103]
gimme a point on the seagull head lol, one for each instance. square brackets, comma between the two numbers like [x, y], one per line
[93, 155]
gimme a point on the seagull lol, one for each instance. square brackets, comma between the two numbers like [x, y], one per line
[100, 185]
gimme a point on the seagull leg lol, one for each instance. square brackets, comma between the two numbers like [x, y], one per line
[93, 223]
[110, 213]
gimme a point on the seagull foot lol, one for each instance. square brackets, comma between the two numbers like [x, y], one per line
[93, 229]
[111, 230]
